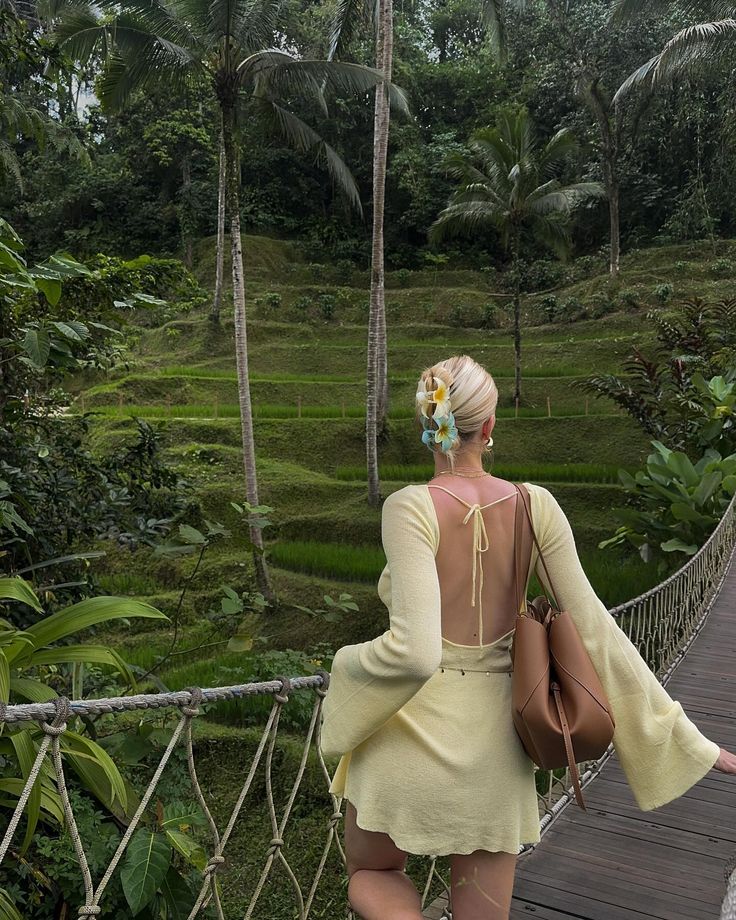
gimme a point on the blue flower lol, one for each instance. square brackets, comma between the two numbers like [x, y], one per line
[446, 433]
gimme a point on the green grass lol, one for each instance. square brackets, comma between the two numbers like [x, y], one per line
[335, 560]
[533, 472]
[265, 411]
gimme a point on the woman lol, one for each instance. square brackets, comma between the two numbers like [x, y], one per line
[421, 715]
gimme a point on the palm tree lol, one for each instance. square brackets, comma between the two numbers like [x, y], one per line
[588, 79]
[698, 47]
[226, 44]
[379, 15]
[514, 191]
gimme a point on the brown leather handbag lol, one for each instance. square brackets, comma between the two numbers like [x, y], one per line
[559, 709]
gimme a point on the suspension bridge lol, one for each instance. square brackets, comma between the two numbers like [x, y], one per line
[613, 862]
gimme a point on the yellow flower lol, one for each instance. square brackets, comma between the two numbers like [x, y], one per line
[441, 397]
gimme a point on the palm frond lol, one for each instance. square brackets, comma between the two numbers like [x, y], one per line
[9, 165]
[562, 144]
[82, 33]
[492, 20]
[284, 74]
[145, 62]
[305, 139]
[553, 232]
[567, 197]
[464, 220]
[349, 16]
[699, 45]
[625, 10]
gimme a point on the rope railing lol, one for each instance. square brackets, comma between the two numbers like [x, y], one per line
[662, 623]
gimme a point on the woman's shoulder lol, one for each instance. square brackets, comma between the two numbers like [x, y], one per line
[414, 493]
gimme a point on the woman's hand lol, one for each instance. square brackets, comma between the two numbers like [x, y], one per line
[726, 762]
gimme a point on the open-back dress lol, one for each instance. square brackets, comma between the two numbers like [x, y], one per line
[422, 725]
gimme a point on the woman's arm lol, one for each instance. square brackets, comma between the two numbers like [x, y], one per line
[661, 751]
[371, 681]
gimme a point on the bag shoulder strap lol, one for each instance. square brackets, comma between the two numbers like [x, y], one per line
[524, 492]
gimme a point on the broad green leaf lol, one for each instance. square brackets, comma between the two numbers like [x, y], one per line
[150, 299]
[32, 690]
[178, 897]
[72, 331]
[81, 616]
[4, 678]
[684, 512]
[37, 345]
[17, 589]
[25, 752]
[682, 466]
[67, 266]
[707, 487]
[146, 863]
[80, 746]
[191, 534]
[677, 545]
[50, 288]
[192, 851]
[86, 654]
[7, 908]
[177, 819]
[51, 806]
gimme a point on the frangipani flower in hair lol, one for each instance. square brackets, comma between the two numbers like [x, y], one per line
[439, 395]
[446, 433]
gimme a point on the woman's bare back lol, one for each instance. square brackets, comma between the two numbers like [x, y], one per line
[476, 524]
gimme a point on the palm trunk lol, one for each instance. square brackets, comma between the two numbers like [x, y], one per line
[185, 214]
[376, 371]
[219, 269]
[386, 50]
[517, 315]
[609, 132]
[232, 170]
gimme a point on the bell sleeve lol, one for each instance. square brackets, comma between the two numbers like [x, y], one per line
[370, 681]
[661, 751]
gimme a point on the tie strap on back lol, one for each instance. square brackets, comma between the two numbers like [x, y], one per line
[480, 537]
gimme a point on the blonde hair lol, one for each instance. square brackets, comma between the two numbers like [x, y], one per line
[473, 397]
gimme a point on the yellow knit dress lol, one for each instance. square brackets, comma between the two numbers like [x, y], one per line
[423, 728]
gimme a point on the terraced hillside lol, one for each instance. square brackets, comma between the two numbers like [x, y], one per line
[307, 356]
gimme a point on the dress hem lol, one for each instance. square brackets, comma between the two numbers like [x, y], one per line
[441, 850]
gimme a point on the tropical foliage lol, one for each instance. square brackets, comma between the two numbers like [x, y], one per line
[515, 192]
[677, 502]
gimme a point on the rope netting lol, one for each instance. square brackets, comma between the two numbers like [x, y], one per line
[662, 623]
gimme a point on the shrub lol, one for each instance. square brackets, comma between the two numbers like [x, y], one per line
[344, 269]
[544, 273]
[549, 306]
[679, 502]
[303, 303]
[663, 292]
[490, 316]
[600, 305]
[571, 310]
[327, 304]
[629, 300]
[403, 277]
[462, 315]
[722, 267]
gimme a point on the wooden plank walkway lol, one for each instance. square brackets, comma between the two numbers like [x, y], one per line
[616, 862]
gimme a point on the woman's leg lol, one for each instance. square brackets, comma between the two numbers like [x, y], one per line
[481, 884]
[378, 887]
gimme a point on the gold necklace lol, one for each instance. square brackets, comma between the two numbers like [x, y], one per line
[463, 475]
